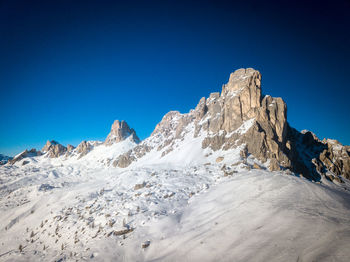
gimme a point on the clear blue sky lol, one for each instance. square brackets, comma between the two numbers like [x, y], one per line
[69, 68]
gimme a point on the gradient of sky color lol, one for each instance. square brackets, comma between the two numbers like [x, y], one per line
[69, 68]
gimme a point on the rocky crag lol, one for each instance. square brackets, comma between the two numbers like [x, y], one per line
[26, 153]
[54, 149]
[119, 132]
[237, 117]
[269, 137]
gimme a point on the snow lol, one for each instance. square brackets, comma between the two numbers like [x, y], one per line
[178, 207]
[259, 216]
[245, 126]
[101, 153]
[186, 152]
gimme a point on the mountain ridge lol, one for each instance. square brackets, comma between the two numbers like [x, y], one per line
[220, 120]
[269, 137]
[220, 181]
[4, 159]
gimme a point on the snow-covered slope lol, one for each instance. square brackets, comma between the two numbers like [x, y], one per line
[240, 116]
[192, 204]
[200, 212]
[215, 184]
[258, 216]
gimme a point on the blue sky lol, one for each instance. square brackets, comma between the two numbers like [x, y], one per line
[69, 68]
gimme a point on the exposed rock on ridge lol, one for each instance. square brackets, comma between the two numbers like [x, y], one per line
[313, 156]
[221, 115]
[54, 149]
[83, 148]
[241, 100]
[241, 115]
[70, 149]
[27, 153]
[119, 132]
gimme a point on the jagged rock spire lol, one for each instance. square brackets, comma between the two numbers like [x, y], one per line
[54, 149]
[239, 101]
[48, 145]
[120, 131]
[220, 115]
[84, 148]
[267, 135]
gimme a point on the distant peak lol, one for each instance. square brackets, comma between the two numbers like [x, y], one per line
[118, 125]
[120, 130]
[48, 145]
[54, 149]
[26, 153]
[4, 159]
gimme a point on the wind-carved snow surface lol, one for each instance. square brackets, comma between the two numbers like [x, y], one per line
[191, 204]
[104, 154]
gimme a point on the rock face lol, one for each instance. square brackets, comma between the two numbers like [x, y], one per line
[238, 116]
[313, 156]
[335, 158]
[54, 149]
[241, 116]
[83, 148]
[70, 148]
[241, 101]
[119, 132]
[27, 153]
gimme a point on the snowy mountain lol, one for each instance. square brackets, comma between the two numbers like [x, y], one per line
[228, 181]
[241, 117]
[4, 159]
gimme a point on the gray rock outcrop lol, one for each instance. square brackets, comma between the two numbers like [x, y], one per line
[83, 148]
[335, 158]
[54, 149]
[240, 101]
[316, 158]
[70, 148]
[241, 115]
[119, 132]
[27, 153]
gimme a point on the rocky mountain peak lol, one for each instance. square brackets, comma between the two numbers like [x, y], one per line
[166, 125]
[242, 78]
[54, 149]
[241, 116]
[240, 103]
[219, 116]
[26, 153]
[120, 131]
[84, 148]
[48, 145]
